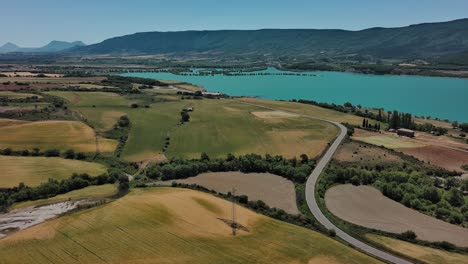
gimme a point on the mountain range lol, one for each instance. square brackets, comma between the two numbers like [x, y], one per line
[421, 40]
[53, 46]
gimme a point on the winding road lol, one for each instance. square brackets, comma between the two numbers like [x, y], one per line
[310, 192]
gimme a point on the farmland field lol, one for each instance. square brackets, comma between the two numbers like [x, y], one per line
[366, 206]
[307, 109]
[216, 127]
[426, 254]
[95, 191]
[35, 170]
[220, 127]
[166, 225]
[274, 190]
[12, 95]
[61, 135]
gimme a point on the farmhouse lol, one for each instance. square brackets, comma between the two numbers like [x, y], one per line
[405, 132]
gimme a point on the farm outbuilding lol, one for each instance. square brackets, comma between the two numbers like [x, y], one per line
[405, 132]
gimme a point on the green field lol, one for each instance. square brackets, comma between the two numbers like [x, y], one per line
[216, 127]
[61, 135]
[167, 225]
[13, 95]
[95, 191]
[311, 110]
[35, 170]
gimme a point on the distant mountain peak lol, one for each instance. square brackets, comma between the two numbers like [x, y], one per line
[8, 47]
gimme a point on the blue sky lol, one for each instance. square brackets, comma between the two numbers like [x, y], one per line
[31, 23]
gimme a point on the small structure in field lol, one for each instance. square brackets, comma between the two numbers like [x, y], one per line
[188, 109]
[405, 132]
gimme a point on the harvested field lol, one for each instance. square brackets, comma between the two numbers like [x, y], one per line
[366, 206]
[61, 135]
[447, 158]
[353, 151]
[391, 141]
[12, 95]
[426, 254]
[35, 170]
[4, 109]
[31, 74]
[167, 225]
[274, 190]
[11, 122]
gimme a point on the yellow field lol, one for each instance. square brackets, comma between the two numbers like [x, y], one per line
[61, 135]
[311, 110]
[166, 225]
[426, 254]
[35, 170]
[95, 191]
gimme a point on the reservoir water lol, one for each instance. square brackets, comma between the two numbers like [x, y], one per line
[445, 98]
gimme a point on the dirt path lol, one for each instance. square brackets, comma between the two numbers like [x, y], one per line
[310, 193]
[23, 218]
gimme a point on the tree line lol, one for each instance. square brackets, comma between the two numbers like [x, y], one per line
[291, 169]
[54, 187]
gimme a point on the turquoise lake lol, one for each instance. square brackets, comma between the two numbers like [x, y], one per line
[445, 98]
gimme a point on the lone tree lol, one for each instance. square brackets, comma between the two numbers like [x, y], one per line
[304, 158]
[185, 117]
[123, 183]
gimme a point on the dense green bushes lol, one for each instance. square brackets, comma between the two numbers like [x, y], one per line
[53, 187]
[291, 169]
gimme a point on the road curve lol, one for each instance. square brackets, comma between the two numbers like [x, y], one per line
[310, 192]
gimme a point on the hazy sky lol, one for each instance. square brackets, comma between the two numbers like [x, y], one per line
[31, 23]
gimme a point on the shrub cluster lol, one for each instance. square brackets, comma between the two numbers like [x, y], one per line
[291, 169]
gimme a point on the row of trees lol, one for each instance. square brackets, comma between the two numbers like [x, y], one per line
[54, 187]
[367, 125]
[68, 154]
[292, 169]
[442, 198]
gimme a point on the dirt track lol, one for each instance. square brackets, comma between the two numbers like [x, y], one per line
[366, 206]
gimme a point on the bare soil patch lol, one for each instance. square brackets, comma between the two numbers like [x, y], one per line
[366, 206]
[447, 158]
[272, 114]
[274, 190]
[357, 152]
[23, 218]
[364, 133]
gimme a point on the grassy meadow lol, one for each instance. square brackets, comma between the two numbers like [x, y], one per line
[167, 225]
[35, 170]
[216, 127]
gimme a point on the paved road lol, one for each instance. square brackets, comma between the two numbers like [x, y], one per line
[312, 202]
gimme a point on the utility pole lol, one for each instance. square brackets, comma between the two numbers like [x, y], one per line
[234, 224]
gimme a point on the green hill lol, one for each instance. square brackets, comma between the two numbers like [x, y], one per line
[422, 40]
